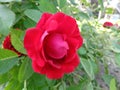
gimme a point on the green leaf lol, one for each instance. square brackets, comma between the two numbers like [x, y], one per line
[4, 78]
[62, 86]
[89, 86]
[14, 85]
[82, 51]
[83, 16]
[47, 6]
[73, 2]
[3, 29]
[6, 65]
[13, 73]
[37, 82]
[107, 78]
[61, 3]
[16, 40]
[117, 58]
[33, 14]
[115, 46]
[87, 28]
[88, 67]
[84, 84]
[26, 70]
[109, 10]
[7, 18]
[7, 54]
[95, 67]
[113, 84]
[10, 0]
[29, 23]
[74, 88]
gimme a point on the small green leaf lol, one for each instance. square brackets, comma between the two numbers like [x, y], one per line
[29, 23]
[73, 2]
[82, 51]
[88, 67]
[37, 82]
[62, 86]
[14, 85]
[109, 10]
[81, 86]
[10, 0]
[107, 78]
[84, 84]
[33, 14]
[6, 65]
[3, 29]
[26, 70]
[47, 6]
[115, 46]
[83, 16]
[16, 40]
[13, 73]
[7, 18]
[74, 88]
[113, 84]
[117, 58]
[7, 54]
[61, 3]
[95, 67]
[7, 15]
[4, 78]
[89, 86]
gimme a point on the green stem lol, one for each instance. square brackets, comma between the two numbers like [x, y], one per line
[25, 86]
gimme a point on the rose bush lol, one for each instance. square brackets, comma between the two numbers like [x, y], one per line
[52, 45]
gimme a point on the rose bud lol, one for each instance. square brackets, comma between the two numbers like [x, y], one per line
[52, 45]
[108, 24]
[8, 45]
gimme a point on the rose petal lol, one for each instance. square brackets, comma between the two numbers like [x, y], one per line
[53, 64]
[75, 43]
[67, 26]
[52, 25]
[59, 16]
[36, 68]
[31, 38]
[70, 66]
[31, 43]
[63, 23]
[55, 47]
[43, 20]
[53, 73]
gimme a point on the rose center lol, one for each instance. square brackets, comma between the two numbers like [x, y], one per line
[55, 46]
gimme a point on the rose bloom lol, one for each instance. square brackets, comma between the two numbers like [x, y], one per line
[8, 45]
[108, 24]
[52, 45]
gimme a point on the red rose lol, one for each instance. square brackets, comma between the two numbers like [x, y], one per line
[107, 24]
[8, 45]
[52, 45]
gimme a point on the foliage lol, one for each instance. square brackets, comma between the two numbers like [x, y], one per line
[100, 44]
